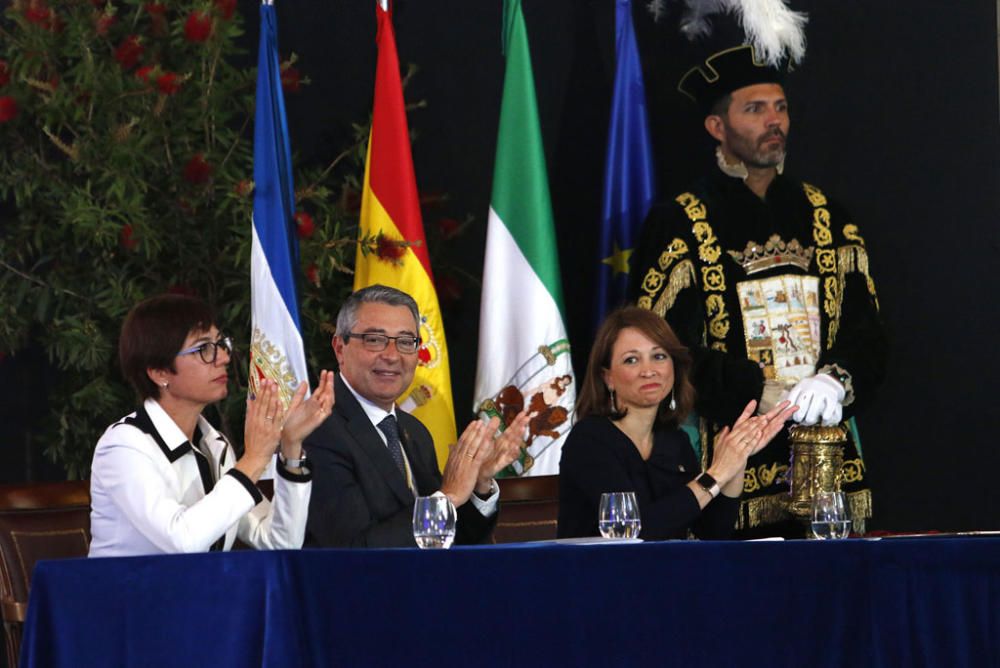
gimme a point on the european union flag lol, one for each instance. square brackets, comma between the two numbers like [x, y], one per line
[628, 169]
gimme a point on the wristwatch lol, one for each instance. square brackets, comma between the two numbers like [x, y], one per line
[292, 463]
[708, 484]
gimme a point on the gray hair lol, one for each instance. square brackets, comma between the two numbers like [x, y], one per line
[347, 318]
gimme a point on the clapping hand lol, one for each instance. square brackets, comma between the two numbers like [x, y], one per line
[461, 471]
[305, 416]
[771, 423]
[262, 430]
[507, 448]
[748, 436]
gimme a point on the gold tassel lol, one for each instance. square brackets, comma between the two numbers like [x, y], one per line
[769, 509]
[859, 506]
[681, 277]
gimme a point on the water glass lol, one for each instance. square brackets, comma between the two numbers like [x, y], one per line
[619, 515]
[433, 522]
[829, 516]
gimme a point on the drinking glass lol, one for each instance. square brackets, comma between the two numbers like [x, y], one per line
[829, 516]
[619, 515]
[433, 522]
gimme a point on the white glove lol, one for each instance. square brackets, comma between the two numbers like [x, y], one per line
[818, 398]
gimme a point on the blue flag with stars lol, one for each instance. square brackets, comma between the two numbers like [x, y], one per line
[628, 169]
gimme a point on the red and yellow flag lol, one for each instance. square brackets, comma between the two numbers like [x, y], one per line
[393, 250]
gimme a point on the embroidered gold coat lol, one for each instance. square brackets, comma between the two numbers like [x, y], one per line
[771, 289]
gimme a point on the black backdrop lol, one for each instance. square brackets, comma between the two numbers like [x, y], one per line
[894, 112]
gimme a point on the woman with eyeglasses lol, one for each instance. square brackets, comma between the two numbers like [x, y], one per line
[163, 480]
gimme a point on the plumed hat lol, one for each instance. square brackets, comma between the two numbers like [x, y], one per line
[736, 43]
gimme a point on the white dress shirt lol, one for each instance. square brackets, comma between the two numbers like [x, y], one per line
[376, 414]
[154, 492]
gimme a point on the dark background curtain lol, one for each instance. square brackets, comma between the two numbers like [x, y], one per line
[894, 113]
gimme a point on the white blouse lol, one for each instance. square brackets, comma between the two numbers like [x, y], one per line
[152, 492]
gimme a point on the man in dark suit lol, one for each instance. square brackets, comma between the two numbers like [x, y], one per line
[370, 458]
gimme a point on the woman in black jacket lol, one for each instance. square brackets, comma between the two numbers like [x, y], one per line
[627, 437]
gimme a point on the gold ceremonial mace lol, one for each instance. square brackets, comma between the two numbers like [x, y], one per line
[817, 461]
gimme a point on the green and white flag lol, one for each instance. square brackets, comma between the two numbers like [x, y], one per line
[524, 354]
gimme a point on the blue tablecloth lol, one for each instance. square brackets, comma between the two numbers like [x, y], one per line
[901, 602]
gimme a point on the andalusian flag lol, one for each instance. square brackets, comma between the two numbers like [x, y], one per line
[393, 250]
[276, 350]
[524, 355]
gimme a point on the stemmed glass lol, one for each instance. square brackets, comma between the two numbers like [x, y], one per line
[619, 515]
[433, 522]
[829, 516]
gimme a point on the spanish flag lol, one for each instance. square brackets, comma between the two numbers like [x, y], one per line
[392, 249]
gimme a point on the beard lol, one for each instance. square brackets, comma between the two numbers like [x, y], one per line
[767, 150]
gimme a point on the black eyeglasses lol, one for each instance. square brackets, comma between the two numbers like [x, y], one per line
[209, 350]
[375, 342]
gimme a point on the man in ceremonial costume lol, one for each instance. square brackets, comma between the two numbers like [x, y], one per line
[766, 280]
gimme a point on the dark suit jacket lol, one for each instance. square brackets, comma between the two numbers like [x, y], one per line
[359, 497]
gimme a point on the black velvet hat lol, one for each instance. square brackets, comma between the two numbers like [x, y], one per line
[736, 43]
[726, 70]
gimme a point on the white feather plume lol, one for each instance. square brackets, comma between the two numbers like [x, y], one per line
[657, 8]
[775, 31]
[695, 23]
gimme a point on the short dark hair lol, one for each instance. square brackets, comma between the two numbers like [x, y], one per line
[153, 333]
[721, 106]
[347, 318]
[594, 396]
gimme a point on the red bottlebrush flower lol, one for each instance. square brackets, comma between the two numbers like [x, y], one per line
[197, 171]
[312, 274]
[144, 71]
[104, 24]
[389, 249]
[448, 227]
[305, 224]
[168, 83]
[38, 13]
[243, 188]
[128, 238]
[225, 8]
[198, 27]
[291, 80]
[129, 51]
[4, 73]
[8, 108]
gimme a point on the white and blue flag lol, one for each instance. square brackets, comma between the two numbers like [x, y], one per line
[276, 350]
